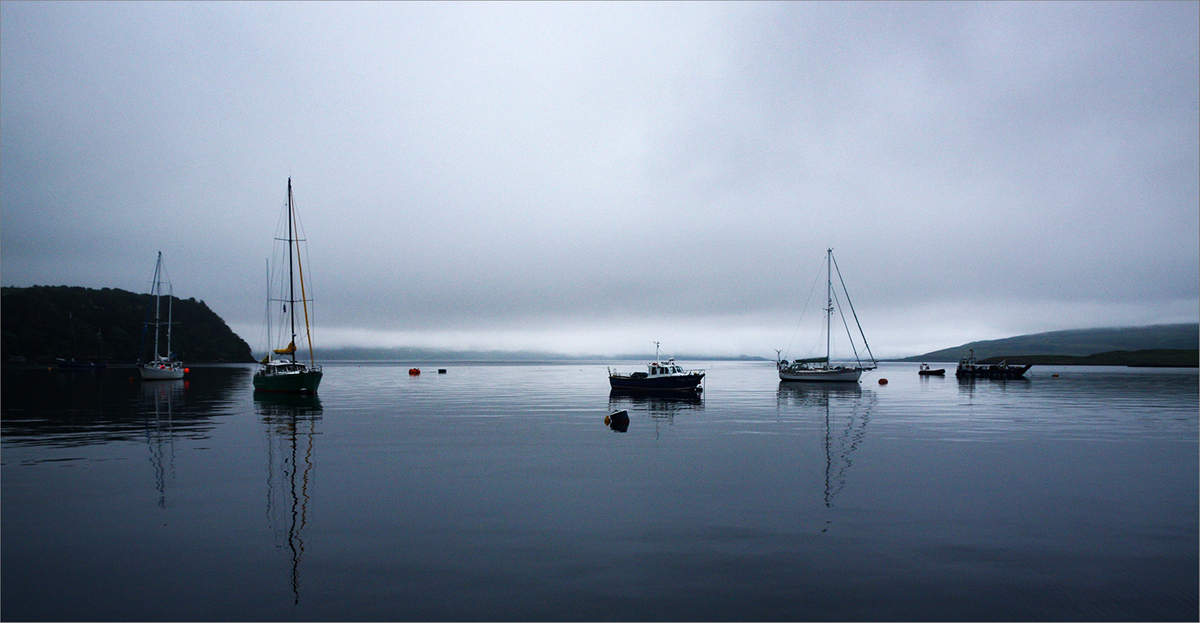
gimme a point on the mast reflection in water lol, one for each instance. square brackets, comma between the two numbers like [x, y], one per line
[290, 421]
[847, 411]
[158, 398]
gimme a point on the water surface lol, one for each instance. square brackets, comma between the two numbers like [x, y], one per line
[497, 491]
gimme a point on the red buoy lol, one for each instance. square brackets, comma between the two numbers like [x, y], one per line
[883, 381]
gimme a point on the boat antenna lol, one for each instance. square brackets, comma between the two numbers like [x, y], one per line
[656, 351]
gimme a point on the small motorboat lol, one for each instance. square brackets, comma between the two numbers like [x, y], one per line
[660, 376]
[925, 371]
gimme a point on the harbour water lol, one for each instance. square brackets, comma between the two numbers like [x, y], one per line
[498, 492]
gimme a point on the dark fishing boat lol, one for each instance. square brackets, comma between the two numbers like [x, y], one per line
[660, 376]
[969, 368]
[926, 371]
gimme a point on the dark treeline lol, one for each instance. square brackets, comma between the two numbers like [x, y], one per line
[43, 323]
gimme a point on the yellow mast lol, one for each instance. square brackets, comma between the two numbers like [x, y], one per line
[303, 297]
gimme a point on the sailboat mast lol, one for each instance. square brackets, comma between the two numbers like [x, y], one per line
[157, 293]
[270, 344]
[291, 280]
[170, 316]
[303, 299]
[828, 300]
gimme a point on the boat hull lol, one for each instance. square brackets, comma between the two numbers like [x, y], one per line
[993, 372]
[289, 382]
[683, 382]
[832, 375]
[939, 372]
[160, 373]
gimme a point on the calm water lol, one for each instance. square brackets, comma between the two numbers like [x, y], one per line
[498, 492]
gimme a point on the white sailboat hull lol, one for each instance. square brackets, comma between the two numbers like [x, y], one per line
[845, 375]
[153, 372]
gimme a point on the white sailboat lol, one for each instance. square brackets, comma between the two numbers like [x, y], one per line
[161, 367]
[819, 368]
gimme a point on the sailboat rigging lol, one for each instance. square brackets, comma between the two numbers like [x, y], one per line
[285, 373]
[819, 368]
[161, 367]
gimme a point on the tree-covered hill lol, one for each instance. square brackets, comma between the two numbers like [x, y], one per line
[1149, 358]
[42, 323]
[1078, 343]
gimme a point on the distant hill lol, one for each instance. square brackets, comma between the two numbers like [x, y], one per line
[1076, 343]
[42, 323]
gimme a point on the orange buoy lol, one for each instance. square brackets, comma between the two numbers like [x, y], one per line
[414, 371]
[883, 381]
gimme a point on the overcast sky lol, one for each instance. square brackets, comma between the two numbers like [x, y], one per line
[591, 178]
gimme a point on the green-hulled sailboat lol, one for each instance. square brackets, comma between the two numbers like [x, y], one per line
[280, 371]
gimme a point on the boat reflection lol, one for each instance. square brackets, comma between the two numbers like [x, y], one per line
[660, 406]
[290, 422]
[158, 403]
[968, 384]
[48, 409]
[846, 409]
[816, 394]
